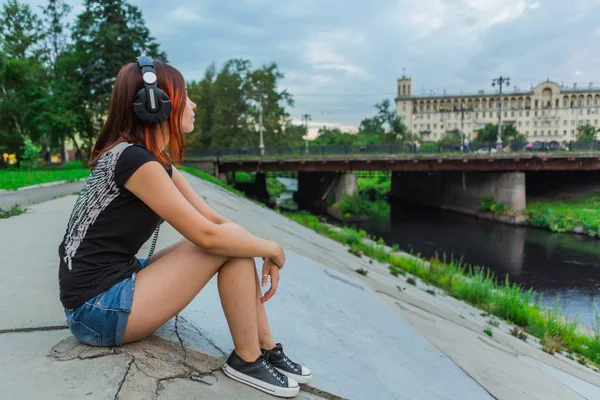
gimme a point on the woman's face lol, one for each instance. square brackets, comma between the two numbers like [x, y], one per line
[187, 119]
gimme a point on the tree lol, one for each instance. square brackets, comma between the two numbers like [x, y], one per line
[202, 94]
[107, 35]
[371, 130]
[489, 134]
[22, 74]
[334, 137]
[451, 137]
[586, 133]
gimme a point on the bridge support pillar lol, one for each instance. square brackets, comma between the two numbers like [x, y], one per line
[319, 190]
[460, 191]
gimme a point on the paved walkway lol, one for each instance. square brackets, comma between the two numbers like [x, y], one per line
[29, 196]
[362, 337]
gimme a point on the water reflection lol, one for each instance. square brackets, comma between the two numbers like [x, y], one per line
[555, 265]
[560, 267]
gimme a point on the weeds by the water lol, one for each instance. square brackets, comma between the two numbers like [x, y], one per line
[479, 287]
[494, 323]
[12, 211]
[411, 281]
[396, 271]
[361, 271]
[565, 216]
[431, 292]
[355, 252]
[519, 332]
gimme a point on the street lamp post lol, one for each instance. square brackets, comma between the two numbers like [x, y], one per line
[306, 118]
[261, 146]
[500, 81]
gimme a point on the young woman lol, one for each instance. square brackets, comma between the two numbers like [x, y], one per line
[132, 188]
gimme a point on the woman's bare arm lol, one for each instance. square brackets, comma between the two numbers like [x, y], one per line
[151, 184]
[196, 200]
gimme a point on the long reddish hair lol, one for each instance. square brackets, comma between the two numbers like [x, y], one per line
[122, 125]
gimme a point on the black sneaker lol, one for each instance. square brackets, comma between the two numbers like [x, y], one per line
[261, 375]
[293, 370]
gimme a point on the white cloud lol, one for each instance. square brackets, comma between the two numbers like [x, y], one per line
[534, 5]
[320, 78]
[323, 52]
[314, 126]
[597, 32]
[185, 14]
[577, 73]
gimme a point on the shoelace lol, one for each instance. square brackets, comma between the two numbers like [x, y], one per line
[273, 371]
[288, 362]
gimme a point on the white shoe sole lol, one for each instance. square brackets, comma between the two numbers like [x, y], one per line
[260, 385]
[297, 378]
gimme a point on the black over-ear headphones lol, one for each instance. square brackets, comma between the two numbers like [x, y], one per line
[151, 104]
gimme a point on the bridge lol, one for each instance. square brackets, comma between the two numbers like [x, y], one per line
[444, 177]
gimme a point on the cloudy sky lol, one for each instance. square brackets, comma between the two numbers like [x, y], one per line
[340, 57]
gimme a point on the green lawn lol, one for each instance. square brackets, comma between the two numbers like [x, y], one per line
[13, 179]
[564, 216]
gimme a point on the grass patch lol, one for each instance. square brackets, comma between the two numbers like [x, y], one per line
[477, 286]
[12, 211]
[411, 281]
[361, 271]
[275, 187]
[565, 216]
[11, 179]
[360, 206]
[355, 252]
[431, 292]
[488, 331]
[210, 178]
[396, 271]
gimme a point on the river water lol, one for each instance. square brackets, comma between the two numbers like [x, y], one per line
[563, 268]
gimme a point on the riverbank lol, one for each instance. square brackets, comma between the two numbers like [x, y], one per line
[476, 286]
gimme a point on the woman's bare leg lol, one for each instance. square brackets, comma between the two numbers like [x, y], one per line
[264, 331]
[172, 280]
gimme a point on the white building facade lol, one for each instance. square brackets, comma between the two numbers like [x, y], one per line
[548, 112]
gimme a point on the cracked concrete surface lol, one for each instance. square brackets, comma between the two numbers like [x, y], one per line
[362, 337]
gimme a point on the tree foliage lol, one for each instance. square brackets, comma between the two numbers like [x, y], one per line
[489, 134]
[586, 133]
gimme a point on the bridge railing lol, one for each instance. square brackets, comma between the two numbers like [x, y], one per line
[372, 149]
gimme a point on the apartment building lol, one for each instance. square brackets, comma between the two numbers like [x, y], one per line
[547, 112]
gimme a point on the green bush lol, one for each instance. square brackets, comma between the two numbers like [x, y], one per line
[428, 147]
[486, 203]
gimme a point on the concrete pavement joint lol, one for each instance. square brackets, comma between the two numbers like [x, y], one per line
[124, 378]
[34, 329]
[346, 281]
[317, 392]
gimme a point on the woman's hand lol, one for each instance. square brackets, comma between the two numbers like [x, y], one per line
[272, 269]
[278, 255]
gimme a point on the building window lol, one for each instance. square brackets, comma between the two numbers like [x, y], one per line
[527, 124]
[403, 107]
[483, 114]
[519, 123]
[565, 122]
[596, 122]
[565, 132]
[555, 133]
[421, 127]
[434, 126]
[527, 113]
[595, 101]
[536, 104]
[505, 114]
[427, 126]
[428, 107]
[580, 122]
[579, 103]
[512, 114]
[580, 112]
[542, 133]
[572, 122]
[534, 123]
[535, 114]
[421, 108]
[556, 124]
[428, 116]
[572, 131]
[534, 133]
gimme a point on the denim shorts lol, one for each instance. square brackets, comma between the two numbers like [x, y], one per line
[101, 320]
